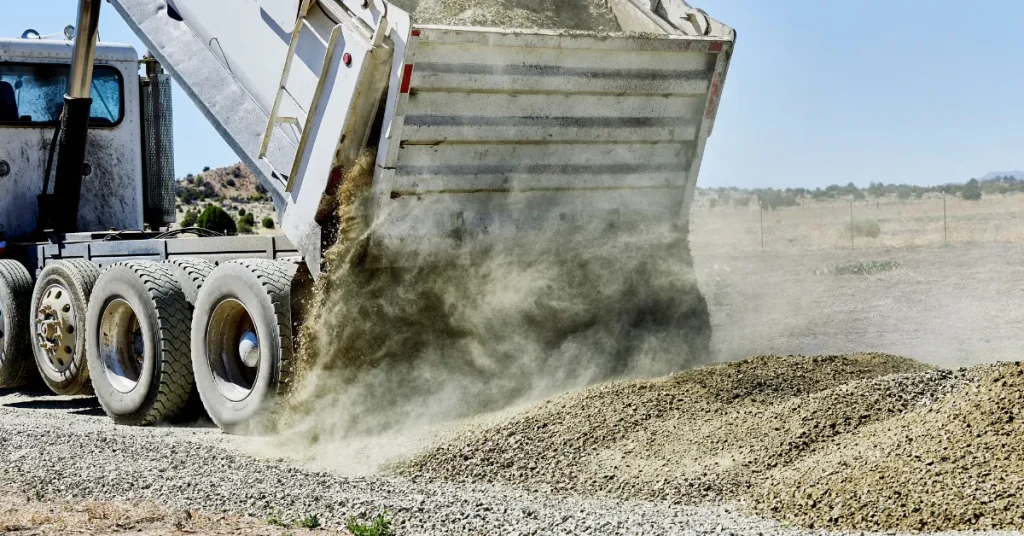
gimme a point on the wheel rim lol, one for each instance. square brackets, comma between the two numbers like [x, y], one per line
[56, 327]
[121, 346]
[233, 350]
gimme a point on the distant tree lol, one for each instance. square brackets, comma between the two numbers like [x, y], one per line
[971, 190]
[206, 168]
[268, 223]
[216, 219]
[241, 211]
[876, 189]
[230, 183]
[771, 199]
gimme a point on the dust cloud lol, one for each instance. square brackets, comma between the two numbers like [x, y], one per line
[396, 341]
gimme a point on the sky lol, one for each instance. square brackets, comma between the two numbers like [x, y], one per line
[819, 92]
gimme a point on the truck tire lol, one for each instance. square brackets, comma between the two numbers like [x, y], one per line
[242, 340]
[16, 366]
[59, 305]
[191, 274]
[138, 347]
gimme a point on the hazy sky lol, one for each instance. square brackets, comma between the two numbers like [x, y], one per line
[820, 92]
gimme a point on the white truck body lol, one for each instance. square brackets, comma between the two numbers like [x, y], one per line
[485, 132]
[112, 193]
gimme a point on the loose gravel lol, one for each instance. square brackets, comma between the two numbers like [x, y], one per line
[864, 441]
[851, 442]
[958, 464]
[585, 15]
[54, 449]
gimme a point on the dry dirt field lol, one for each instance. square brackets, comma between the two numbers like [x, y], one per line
[947, 305]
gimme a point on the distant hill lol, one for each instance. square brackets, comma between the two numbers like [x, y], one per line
[1019, 175]
[233, 188]
[235, 183]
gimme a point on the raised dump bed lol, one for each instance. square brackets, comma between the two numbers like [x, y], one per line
[482, 132]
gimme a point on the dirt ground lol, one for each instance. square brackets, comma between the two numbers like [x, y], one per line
[953, 306]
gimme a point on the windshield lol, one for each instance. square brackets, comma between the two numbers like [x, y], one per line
[33, 94]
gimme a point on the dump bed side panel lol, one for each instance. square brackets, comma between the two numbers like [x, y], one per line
[505, 133]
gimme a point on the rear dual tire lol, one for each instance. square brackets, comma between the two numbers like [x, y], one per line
[242, 341]
[138, 348]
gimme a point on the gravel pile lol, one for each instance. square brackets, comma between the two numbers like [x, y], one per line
[585, 15]
[699, 436]
[955, 465]
[865, 441]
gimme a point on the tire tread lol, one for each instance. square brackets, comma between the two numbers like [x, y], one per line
[174, 317]
[17, 370]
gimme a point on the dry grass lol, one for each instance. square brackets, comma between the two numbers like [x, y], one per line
[818, 225]
[23, 516]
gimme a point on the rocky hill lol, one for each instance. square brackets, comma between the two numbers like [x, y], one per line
[233, 183]
[233, 188]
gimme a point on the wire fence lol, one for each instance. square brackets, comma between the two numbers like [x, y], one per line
[862, 224]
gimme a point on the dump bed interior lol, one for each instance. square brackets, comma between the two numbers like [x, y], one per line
[500, 133]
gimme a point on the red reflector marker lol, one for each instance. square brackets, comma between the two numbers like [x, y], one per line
[415, 33]
[407, 78]
[715, 47]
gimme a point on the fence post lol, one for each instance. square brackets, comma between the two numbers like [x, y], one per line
[851, 225]
[945, 228]
[762, 227]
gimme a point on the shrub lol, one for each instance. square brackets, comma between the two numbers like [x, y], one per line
[866, 228]
[230, 183]
[206, 168]
[189, 220]
[268, 223]
[241, 212]
[216, 219]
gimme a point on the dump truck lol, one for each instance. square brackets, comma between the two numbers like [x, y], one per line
[479, 134]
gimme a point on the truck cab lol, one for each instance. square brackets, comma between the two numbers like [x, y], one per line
[33, 79]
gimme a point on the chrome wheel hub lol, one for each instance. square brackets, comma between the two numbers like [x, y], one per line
[233, 349]
[56, 324]
[122, 349]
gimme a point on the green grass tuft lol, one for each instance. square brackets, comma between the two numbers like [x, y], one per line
[380, 526]
[309, 522]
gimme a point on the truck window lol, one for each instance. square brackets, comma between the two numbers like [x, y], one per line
[32, 94]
